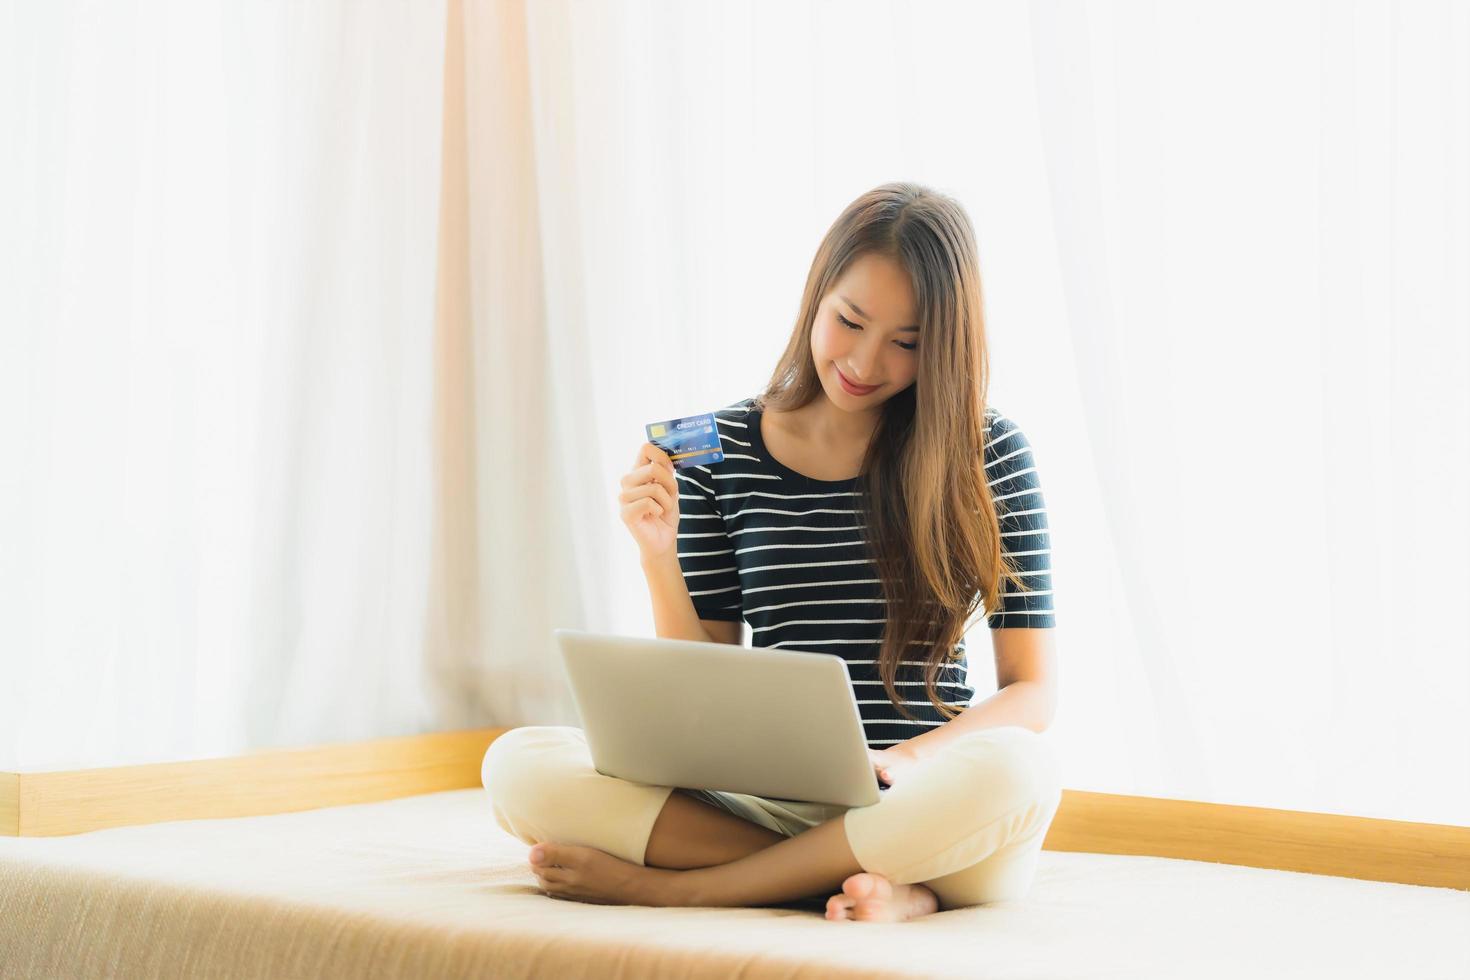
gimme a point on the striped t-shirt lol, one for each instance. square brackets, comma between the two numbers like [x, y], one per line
[784, 552]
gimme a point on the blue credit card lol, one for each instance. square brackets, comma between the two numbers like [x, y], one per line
[692, 441]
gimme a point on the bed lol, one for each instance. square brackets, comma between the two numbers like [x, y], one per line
[427, 885]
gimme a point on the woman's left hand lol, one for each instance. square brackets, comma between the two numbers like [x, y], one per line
[892, 763]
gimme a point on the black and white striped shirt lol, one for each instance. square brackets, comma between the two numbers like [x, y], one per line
[782, 551]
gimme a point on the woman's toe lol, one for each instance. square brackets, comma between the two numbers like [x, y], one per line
[864, 887]
[839, 907]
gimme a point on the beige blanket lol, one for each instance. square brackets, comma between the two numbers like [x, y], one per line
[429, 886]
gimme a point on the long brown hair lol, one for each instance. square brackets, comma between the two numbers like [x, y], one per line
[931, 521]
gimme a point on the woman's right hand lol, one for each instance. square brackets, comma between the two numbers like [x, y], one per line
[650, 500]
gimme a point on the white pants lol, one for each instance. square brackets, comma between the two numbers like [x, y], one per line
[967, 822]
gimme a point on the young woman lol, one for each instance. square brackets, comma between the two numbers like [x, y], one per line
[868, 505]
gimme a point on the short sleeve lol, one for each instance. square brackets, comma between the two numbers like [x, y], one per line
[706, 554]
[1025, 535]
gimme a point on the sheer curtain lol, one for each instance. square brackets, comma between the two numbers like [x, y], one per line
[1225, 265]
[218, 225]
[1263, 236]
[1225, 255]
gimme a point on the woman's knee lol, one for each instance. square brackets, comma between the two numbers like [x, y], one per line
[1008, 764]
[523, 763]
[543, 786]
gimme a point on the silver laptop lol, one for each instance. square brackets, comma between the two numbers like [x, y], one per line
[781, 724]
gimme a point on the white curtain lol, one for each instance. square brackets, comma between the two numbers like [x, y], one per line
[1263, 249]
[217, 252]
[1225, 260]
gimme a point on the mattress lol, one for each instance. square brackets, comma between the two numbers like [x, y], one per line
[430, 886]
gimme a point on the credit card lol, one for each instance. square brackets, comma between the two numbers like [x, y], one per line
[692, 441]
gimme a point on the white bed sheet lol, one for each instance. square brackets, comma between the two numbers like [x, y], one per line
[429, 886]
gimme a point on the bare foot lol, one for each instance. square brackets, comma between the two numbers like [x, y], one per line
[586, 874]
[869, 897]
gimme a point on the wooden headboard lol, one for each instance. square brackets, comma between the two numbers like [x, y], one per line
[45, 804]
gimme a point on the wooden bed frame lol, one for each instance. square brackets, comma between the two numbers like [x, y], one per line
[47, 804]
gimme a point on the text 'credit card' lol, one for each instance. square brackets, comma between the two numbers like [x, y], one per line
[692, 441]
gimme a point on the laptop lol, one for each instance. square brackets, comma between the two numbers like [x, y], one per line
[777, 723]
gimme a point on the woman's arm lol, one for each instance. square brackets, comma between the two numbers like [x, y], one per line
[1025, 672]
[674, 617]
